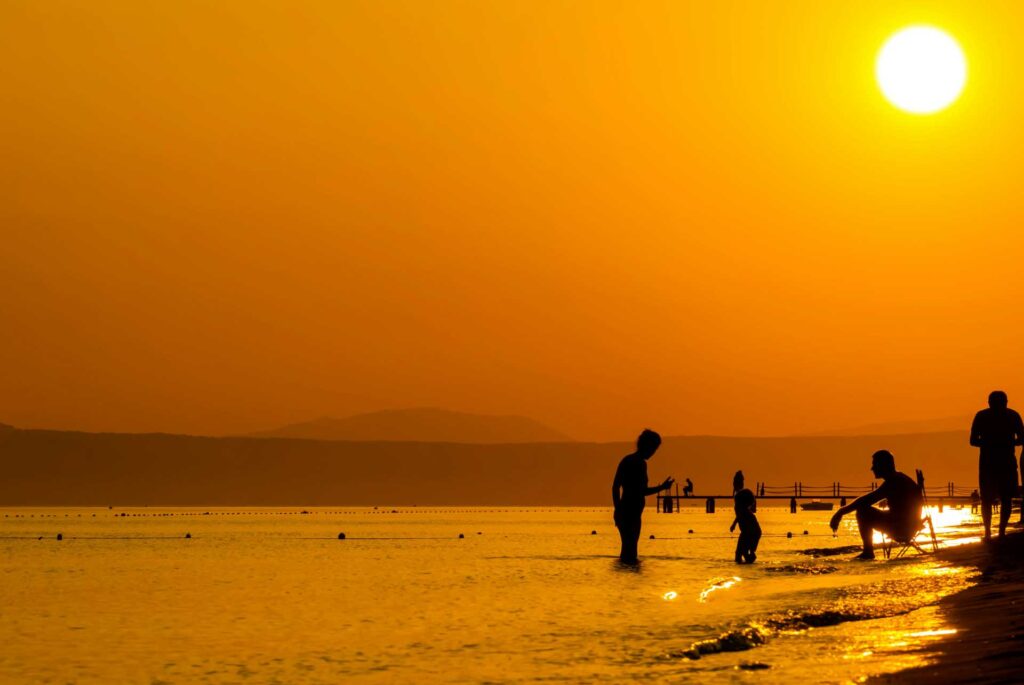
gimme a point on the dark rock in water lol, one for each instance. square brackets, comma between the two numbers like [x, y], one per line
[341, 536]
[690, 531]
[806, 533]
[651, 536]
[734, 641]
[461, 536]
[829, 551]
[593, 532]
[789, 534]
[188, 536]
[753, 666]
[60, 536]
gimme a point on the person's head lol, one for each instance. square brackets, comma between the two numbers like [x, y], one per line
[648, 443]
[997, 399]
[883, 464]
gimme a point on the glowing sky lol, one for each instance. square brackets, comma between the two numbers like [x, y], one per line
[700, 217]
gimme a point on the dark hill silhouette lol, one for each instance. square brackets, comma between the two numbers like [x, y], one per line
[422, 425]
[947, 424]
[6, 427]
[66, 468]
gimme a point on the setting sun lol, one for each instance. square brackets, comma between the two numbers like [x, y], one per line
[921, 70]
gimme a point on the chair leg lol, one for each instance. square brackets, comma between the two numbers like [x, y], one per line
[935, 542]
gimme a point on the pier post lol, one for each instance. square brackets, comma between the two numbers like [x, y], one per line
[709, 506]
[792, 505]
[668, 504]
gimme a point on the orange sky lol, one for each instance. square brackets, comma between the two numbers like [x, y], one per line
[221, 217]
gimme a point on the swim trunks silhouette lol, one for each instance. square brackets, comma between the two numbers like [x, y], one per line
[630, 490]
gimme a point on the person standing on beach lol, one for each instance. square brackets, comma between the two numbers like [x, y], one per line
[996, 431]
[745, 504]
[630, 490]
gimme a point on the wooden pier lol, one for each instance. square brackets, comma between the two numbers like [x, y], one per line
[951, 494]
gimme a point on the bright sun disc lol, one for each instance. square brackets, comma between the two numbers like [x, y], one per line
[921, 69]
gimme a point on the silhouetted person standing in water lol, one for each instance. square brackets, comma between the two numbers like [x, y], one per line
[750, 530]
[904, 497]
[996, 431]
[629, 490]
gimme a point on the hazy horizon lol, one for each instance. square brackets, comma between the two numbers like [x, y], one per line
[895, 427]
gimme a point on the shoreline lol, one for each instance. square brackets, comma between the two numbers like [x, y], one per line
[988, 646]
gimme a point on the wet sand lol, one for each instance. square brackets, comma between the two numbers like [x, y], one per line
[989, 617]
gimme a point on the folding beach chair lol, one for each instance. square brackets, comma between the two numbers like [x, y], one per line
[904, 546]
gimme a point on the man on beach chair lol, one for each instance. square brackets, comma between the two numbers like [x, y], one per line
[903, 495]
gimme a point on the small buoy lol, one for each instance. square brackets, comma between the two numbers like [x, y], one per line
[690, 531]
[341, 536]
[789, 534]
[479, 533]
[461, 536]
[188, 536]
[60, 536]
[651, 536]
[593, 532]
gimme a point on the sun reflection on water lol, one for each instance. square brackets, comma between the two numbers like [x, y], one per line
[719, 584]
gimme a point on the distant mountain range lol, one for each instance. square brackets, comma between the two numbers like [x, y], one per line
[422, 425]
[948, 424]
[73, 468]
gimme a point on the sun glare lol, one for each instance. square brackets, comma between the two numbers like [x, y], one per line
[921, 70]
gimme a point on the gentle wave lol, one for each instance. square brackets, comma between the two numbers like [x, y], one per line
[853, 604]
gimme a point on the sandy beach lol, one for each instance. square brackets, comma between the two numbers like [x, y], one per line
[989, 644]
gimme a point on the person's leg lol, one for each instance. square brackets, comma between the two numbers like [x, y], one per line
[629, 532]
[754, 538]
[987, 497]
[986, 517]
[868, 520]
[1005, 507]
[741, 544]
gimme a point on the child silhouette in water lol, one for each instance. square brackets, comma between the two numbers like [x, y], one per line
[750, 530]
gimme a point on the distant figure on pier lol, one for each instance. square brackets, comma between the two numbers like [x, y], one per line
[996, 431]
[975, 500]
[629, 491]
[902, 520]
[750, 530]
[688, 488]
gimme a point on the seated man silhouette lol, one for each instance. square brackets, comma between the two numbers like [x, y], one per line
[901, 521]
[630, 490]
[688, 488]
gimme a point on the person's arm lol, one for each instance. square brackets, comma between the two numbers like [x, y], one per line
[733, 526]
[975, 432]
[616, 487]
[876, 495]
[1019, 430]
[658, 488]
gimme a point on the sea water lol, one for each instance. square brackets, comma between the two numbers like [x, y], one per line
[483, 595]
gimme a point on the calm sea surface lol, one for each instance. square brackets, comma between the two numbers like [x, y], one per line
[529, 595]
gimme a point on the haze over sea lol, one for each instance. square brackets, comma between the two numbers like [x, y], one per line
[273, 596]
